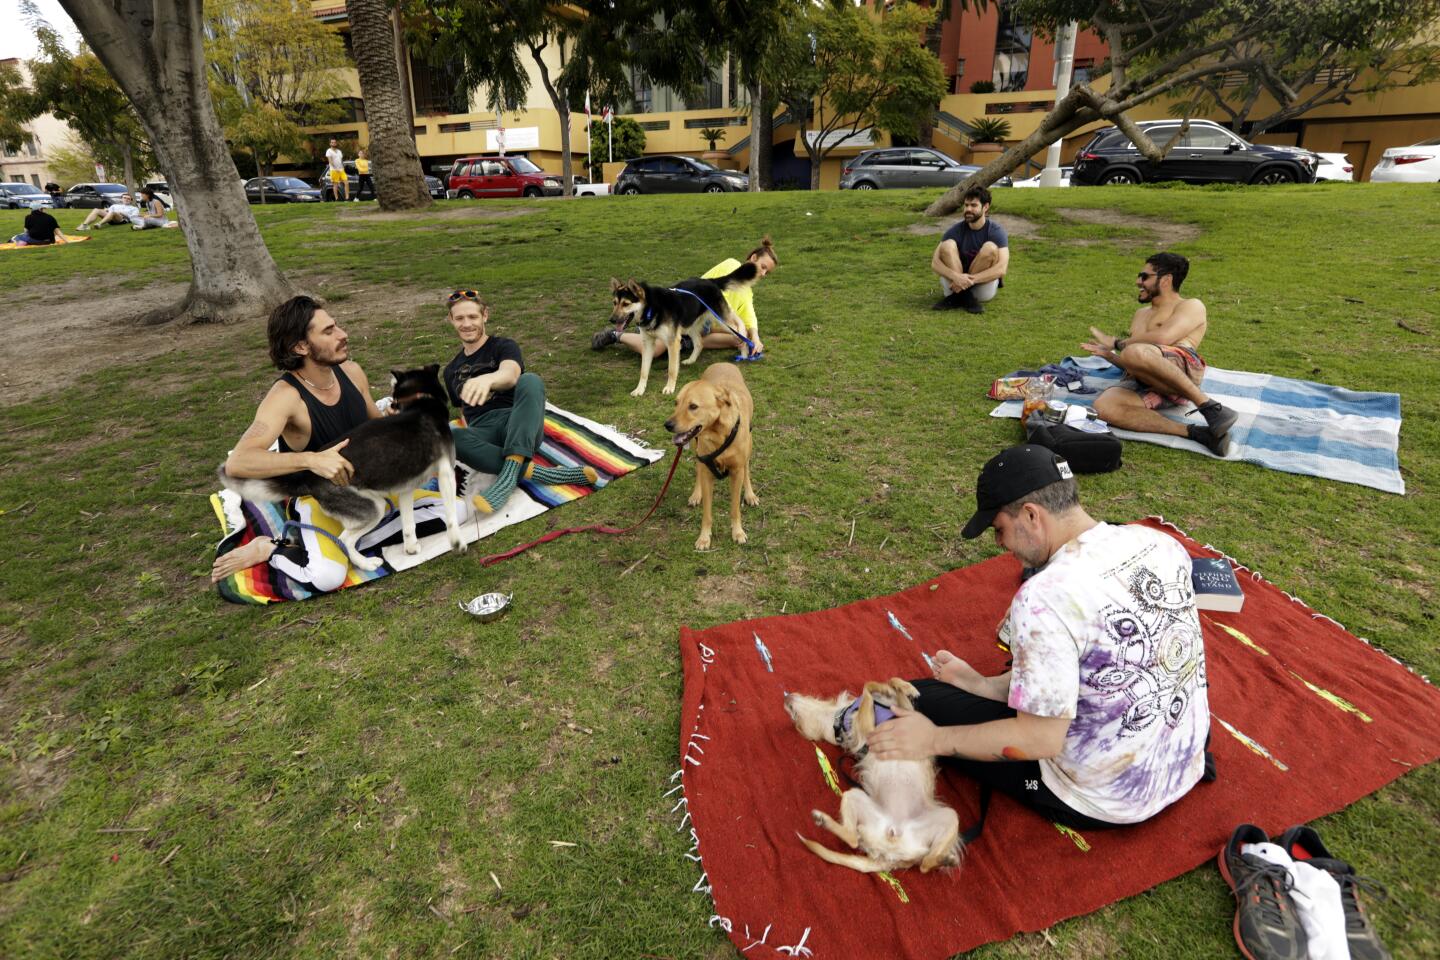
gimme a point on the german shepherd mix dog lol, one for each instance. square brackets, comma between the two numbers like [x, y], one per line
[892, 818]
[665, 313]
[393, 456]
[716, 412]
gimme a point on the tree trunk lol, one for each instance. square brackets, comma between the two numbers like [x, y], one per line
[756, 109]
[1070, 114]
[767, 142]
[154, 52]
[562, 107]
[399, 181]
[402, 67]
[127, 154]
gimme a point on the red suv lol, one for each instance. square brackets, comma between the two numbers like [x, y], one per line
[500, 177]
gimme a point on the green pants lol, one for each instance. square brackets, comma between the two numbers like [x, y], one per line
[509, 431]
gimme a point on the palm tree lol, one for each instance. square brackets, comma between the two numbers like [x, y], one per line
[399, 181]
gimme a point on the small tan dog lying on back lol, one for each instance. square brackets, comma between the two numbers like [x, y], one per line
[715, 412]
[893, 818]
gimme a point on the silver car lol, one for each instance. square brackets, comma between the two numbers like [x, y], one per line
[899, 167]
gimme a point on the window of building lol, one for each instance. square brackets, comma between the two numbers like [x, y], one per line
[35, 178]
[644, 94]
[1012, 51]
[1081, 70]
[438, 89]
[711, 95]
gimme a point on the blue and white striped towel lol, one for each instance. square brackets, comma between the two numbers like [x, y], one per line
[1295, 426]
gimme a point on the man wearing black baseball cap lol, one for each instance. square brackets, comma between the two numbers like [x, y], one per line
[1102, 719]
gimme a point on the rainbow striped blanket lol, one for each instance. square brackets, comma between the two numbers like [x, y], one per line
[570, 440]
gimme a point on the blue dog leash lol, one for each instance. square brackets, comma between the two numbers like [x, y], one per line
[748, 342]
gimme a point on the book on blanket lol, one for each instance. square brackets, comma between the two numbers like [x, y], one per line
[1216, 587]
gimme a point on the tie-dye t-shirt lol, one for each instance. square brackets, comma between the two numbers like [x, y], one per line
[1107, 634]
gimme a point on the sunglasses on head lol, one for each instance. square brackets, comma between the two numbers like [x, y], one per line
[459, 295]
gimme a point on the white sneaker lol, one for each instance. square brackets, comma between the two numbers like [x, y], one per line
[81, 227]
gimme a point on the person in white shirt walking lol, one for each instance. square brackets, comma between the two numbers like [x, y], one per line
[338, 179]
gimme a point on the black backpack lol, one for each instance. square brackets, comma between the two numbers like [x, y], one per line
[1086, 452]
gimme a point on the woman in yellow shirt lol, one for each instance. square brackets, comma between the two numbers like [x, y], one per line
[362, 170]
[741, 300]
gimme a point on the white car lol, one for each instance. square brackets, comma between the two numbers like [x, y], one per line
[1419, 163]
[592, 189]
[1334, 166]
[1035, 180]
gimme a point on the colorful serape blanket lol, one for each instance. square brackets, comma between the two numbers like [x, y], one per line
[1306, 719]
[1295, 426]
[570, 440]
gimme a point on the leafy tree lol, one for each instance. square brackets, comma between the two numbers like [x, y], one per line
[273, 67]
[399, 180]
[1181, 48]
[70, 163]
[154, 52]
[629, 142]
[859, 73]
[76, 88]
[13, 93]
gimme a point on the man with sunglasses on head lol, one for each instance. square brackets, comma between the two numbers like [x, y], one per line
[504, 407]
[1160, 353]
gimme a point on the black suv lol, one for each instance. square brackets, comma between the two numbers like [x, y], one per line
[677, 175]
[1208, 153]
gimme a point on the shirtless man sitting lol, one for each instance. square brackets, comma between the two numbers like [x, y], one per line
[321, 394]
[1160, 354]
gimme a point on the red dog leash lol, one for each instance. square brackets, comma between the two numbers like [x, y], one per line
[495, 558]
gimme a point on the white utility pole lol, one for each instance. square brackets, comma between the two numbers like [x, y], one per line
[1065, 64]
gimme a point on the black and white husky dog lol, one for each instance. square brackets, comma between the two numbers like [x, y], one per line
[665, 313]
[393, 456]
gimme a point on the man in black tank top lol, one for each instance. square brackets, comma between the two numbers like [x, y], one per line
[320, 395]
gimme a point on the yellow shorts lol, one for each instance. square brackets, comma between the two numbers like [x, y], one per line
[337, 176]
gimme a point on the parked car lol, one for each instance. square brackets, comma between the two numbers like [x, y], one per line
[895, 167]
[496, 176]
[94, 196]
[1035, 180]
[24, 196]
[677, 174]
[280, 190]
[1418, 163]
[584, 188]
[1328, 166]
[1208, 153]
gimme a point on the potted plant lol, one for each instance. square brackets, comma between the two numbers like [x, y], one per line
[988, 134]
[712, 136]
[715, 156]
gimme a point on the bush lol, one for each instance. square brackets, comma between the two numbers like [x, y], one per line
[989, 130]
[982, 86]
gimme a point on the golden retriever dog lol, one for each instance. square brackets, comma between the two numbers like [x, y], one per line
[716, 412]
[892, 818]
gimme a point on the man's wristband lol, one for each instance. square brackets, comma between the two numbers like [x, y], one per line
[1118, 345]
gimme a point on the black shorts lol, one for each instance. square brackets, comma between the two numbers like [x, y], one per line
[947, 706]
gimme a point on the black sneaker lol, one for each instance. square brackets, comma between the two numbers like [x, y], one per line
[604, 338]
[1266, 925]
[1219, 419]
[1206, 438]
[952, 301]
[1303, 843]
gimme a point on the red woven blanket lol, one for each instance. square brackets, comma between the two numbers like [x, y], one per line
[1307, 719]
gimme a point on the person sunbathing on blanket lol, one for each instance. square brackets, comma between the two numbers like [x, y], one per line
[504, 407]
[1104, 717]
[1160, 354]
[321, 394]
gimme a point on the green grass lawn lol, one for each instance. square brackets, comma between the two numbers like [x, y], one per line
[374, 774]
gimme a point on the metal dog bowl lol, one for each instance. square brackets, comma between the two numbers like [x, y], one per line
[488, 606]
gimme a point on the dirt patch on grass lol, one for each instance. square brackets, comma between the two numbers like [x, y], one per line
[1015, 226]
[725, 589]
[1164, 232]
[59, 334]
